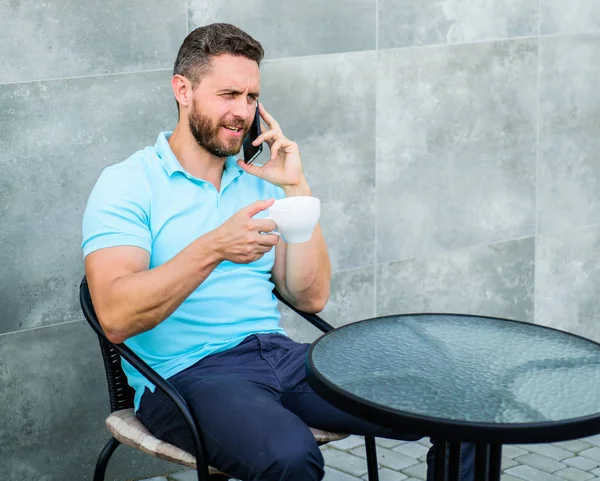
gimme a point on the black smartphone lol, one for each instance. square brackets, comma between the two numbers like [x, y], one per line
[251, 152]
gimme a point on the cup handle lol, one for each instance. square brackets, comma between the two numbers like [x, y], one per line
[275, 231]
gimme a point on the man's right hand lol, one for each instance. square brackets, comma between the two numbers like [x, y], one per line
[240, 239]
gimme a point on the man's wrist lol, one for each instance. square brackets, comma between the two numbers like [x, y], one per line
[209, 248]
[301, 189]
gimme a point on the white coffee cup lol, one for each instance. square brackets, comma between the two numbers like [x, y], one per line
[295, 217]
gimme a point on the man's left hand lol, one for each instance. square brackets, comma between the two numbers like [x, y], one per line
[285, 165]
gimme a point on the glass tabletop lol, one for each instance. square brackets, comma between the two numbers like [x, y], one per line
[462, 368]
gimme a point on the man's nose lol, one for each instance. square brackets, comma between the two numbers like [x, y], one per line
[243, 109]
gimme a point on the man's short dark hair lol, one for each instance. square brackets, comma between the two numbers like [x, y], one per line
[193, 59]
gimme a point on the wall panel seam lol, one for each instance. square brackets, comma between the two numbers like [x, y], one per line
[40, 327]
[495, 40]
[57, 79]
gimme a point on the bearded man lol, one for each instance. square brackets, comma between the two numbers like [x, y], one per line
[181, 265]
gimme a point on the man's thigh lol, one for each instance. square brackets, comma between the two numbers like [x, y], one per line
[299, 397]
[245, 428]
[318, 413]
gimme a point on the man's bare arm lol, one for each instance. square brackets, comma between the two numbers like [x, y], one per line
[302, 272]
[129, 298]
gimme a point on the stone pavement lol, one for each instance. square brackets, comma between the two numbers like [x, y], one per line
[577, 460]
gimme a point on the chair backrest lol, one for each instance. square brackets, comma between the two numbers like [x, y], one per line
[119, 391]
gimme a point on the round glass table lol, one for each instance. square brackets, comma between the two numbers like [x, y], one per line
[461, 378]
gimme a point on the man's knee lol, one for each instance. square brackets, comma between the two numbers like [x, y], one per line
[293, 459]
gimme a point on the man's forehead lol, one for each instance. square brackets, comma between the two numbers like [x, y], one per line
[235, 72]
[236, 83]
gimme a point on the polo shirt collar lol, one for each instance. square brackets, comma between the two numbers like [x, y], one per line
[172, 165]
[166, 155]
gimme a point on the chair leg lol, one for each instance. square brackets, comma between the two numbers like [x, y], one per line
[371, 451]
[103, 459]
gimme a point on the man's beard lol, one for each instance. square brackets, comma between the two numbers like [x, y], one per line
[207, 134]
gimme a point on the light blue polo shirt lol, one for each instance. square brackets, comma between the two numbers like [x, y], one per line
[149, 201]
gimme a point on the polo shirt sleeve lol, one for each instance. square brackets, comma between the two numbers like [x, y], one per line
[117, 212]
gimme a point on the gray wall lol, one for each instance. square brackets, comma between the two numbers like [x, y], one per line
[454, 146]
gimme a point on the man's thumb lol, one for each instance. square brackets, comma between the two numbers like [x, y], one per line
[259, 206]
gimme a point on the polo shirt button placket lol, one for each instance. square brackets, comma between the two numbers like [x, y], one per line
[221, 209]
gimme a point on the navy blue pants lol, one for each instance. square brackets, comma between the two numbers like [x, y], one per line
[254, 407]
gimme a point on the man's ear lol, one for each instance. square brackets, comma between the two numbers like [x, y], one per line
[182, 89]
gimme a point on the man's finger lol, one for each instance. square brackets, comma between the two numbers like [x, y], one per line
[250, 168]
[276, 146]
[268, 241]
[268, 135]
[257, 207]
[271, 122]
[264, 225]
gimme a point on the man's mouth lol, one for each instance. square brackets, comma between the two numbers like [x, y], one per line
[233, 130]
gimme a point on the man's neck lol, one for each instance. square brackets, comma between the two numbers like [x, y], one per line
[195, 160]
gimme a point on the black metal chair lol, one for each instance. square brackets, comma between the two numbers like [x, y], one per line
[127, 429]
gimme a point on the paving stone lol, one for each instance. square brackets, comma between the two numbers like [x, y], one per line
[595, 472]
[335, 475]
[511, 451]
[348, 443]
[531, 474]
[552, 452]
[418, 471]
[388, 443]
[574, 446]
[413, 450]
[507, 463]
[189, 475]
[361, 453]
[574, 474]
[581, 462]
[155, 478]
[540, 462]
[508, 477]
[391, 459]
[386, 474]
[425, 442]
[344, 461]
[595, 440]
[592, 453]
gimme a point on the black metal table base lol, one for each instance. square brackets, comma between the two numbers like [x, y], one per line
[447, 461]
